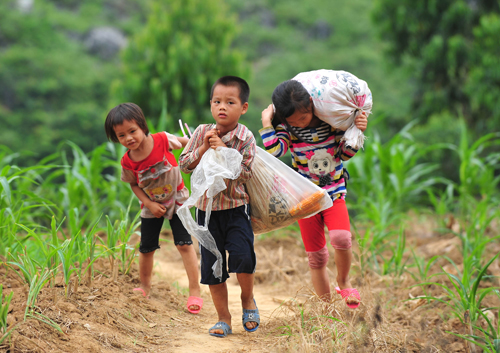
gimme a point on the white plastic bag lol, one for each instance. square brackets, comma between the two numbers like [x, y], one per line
[209, 175]
[279, 196]
[338, 97]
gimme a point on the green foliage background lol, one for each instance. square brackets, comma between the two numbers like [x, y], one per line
[53, 89]
[430, 63]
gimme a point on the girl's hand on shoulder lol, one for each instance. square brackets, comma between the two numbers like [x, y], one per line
[157, 209]
[183, 141]
[267, 116]
[361, 121]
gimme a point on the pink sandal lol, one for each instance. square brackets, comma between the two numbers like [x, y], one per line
[143, 292]
[346, 293]
[194, 301]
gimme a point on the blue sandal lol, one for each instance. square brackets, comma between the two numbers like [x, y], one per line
[221, 325]
[251, 315]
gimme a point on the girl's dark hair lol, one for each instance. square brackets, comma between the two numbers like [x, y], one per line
[288, 97]
[236, 82]
[122, 112]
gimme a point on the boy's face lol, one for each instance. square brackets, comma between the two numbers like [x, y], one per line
[226, 107]
[130, 134]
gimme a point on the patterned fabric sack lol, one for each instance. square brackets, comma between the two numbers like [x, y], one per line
[279, 196]
[338, 98]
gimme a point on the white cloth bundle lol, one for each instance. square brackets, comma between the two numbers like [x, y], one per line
[338, 98]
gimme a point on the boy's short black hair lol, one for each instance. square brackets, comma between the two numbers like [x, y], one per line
[233, 81]
[120, 113]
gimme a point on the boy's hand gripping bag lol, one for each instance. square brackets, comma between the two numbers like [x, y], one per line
[338, 98]
[209, 175]
[279, 196]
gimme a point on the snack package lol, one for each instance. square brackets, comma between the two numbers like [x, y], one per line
[279, 196]
[338, 97]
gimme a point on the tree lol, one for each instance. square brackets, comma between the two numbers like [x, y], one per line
[452, 48]
[185, 46]
[53, 88]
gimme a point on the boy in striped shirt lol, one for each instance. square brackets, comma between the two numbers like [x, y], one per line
[230, 216]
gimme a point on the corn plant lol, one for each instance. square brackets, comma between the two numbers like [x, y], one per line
[37, 283]
[4, 310]
[44, 246]
[490, 341]
[36, 277]
[87, 189]
[465, 294]
[118, 238]
[443, 202]
[18, 204]
[87, 253]
[391, 173]
[24, 266]
[112, 238]
[127, 252]
[477, 175]
[68, 266]
[396, 264]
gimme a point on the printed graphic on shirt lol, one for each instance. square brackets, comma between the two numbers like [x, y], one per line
[161, 193]
[321, 164]
[146, 177]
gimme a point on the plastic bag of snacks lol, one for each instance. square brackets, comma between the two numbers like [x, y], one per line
[279, 196]
[338, 97]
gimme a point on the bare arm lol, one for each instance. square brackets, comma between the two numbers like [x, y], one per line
[183, 141]
[157, 209]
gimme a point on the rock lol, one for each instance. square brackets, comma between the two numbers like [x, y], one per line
[105, 42]
[25, 6]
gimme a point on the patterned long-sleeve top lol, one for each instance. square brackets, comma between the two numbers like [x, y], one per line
[319, 160]
[242, 140]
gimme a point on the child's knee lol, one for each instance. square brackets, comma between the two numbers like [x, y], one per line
[318, 259]
[184, 246]
[340, 239]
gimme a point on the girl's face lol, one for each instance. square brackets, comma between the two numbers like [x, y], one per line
[130, 134]
[300, 118]
[303, 118]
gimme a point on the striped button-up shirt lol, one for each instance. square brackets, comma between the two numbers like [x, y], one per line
[242, 140]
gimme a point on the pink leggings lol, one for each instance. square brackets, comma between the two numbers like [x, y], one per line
[312, 229]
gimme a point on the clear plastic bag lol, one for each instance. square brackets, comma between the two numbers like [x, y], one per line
[209, 175]
[279, 196]
[338, 98]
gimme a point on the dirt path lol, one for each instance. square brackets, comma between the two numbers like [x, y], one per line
[197, 340]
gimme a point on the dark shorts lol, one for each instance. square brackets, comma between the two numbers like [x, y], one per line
[150, 233]
[232, 231]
